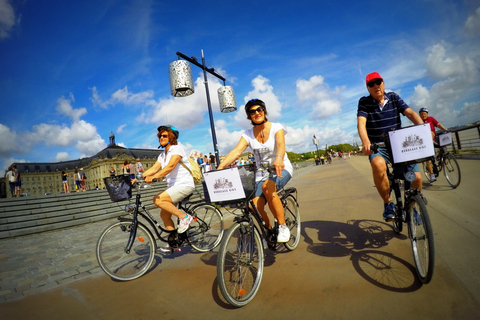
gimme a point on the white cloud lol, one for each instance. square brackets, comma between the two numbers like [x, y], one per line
[64, 106]
[120, 129]
[263, 90]
[7, 18]
[441, 65]
[472, 25]
[121, 96]
[316, 94]
[62, 156]
[184, 112]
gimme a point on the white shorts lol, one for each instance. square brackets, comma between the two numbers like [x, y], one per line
[178, 193]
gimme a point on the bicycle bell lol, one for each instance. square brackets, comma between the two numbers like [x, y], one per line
[139, 176]
[409, 176]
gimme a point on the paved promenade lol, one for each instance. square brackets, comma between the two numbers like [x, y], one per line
[349, 264]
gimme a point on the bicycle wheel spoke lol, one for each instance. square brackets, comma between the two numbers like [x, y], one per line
[293, 222]
[120, 263]
[206, 231]
[240, 264]
[421, 235]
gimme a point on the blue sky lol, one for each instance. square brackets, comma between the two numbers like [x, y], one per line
[72, 72]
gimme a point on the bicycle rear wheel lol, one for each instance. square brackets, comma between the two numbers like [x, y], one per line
[206, 230]
[117, 263]
[292, 220]
[451, 170]
[240, 264]
[421, 237]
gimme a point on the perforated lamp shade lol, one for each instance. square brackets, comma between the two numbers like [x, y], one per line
[181, 81]
[226, 97]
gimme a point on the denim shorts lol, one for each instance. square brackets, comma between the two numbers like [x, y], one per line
[383, 152]
[280, 182]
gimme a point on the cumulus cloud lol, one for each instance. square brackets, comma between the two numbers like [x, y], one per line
[456, 74]
[316, 94]
[121, 96]
[62, 156]
[472, 25]
[64, 106]
[263, 90]
[442, 65]
[120, 129]
[7, 18]
[79, 134]
[185, 112]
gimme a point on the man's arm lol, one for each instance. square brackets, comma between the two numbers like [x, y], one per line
[412, 116]
[362, 132]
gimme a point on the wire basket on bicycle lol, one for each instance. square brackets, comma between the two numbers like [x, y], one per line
[119, 187]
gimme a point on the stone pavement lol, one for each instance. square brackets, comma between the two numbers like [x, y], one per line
[39, 262]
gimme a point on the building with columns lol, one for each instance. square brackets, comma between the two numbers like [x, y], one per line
[45, 178]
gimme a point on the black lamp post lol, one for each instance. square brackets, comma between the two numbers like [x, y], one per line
[181, 85]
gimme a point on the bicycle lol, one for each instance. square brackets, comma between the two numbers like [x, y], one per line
[126, 249]
[446, 162]
[412, 211]
[241, 256]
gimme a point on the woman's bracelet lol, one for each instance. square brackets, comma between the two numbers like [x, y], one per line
[277, 156]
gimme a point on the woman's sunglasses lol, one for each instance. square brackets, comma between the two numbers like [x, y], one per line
[163, 136]
[253, 111]
[375, 82]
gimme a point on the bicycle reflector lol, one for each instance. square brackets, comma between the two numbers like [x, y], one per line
[141, 239]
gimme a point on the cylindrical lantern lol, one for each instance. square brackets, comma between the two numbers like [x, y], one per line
[226, 96]
[181, 81]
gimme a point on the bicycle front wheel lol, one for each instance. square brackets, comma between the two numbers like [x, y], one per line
[425, 171]
[421, 236]
[292, 220]
[240, 264]
[206, 230]
[451, 170]
[113, 257]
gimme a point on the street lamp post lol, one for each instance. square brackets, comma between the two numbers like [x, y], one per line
[315, 142]
[181, 85]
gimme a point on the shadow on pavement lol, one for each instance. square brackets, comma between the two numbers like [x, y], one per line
[361, 239]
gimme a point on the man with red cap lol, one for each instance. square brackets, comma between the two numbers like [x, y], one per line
[379, 113]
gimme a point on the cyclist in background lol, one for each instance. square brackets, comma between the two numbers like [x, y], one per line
[377, 114]
[433, 123]
[267, 140]
[179, 180]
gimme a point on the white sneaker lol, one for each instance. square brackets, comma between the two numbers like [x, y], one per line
[184, 223]
[283, 233]
[432, 178]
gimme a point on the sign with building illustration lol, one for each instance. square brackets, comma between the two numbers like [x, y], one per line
[224, 185]
[412, 143]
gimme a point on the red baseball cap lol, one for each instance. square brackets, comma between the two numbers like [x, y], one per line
[373, 76]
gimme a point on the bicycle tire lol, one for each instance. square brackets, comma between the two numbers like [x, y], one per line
[293, 222]
[206, 230]
[425, 171]
[421, 237]
[240, 264]
[113, 259]
[451, 169]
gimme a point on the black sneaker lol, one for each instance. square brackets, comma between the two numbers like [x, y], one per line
[389, 212]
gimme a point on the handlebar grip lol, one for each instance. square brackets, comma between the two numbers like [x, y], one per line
[374, 147]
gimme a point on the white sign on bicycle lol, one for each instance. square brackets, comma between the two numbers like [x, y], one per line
[412, 143]
[224, 185]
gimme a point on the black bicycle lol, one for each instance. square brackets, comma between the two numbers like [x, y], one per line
[445, 161]
[241, 253]
[126, 249]
[412, 210]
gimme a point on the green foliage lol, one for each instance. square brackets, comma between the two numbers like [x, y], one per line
[298, 157]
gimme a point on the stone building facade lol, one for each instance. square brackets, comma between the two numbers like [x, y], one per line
[45, 178]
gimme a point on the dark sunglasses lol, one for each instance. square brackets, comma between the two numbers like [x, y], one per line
[163, 136]
[253, 111]
[375, 82]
